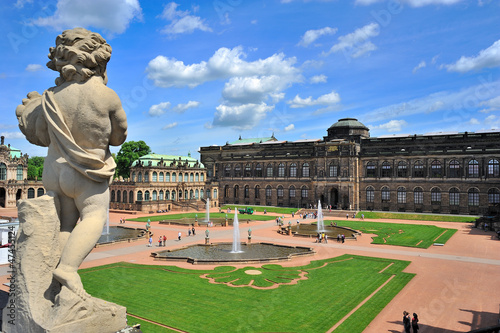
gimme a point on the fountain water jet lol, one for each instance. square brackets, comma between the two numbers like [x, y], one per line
[320, 223]
[207, 215]
[236, 234]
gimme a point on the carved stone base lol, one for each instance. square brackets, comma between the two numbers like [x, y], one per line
[37, 301]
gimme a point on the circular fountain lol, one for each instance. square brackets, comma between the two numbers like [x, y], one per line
[118, 233]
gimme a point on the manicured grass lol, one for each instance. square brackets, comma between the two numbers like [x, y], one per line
[278, 210]
[419, 217]
[201, 217]
[412, 235]
[148, 327]
[180, 298]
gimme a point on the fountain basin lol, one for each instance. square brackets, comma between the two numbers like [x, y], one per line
[220, 253]
[121, 234]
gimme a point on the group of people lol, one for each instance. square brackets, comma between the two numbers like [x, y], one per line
[122, 220]
[410, 323]
[162, 240]
[341, 238]
[322, 237]
[191, 231]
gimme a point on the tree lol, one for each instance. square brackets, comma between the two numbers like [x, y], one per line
[129, 152]
[35, 167]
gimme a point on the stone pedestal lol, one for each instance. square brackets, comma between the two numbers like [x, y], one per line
[207, 240]
[249, 240]
[196, 224]
[38, 303]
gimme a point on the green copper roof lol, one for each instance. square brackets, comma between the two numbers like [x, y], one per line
[349, 122]
[14, 152]
[167, 159]
[253, 140]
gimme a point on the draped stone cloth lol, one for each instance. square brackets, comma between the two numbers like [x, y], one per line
[87, 163]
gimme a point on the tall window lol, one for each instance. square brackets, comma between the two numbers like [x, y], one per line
[291, 192]
[269, 170]
[118, 196]
[473, 168]
[247, 191]
[435, 196]
[185, 180]
[436, 169]
[418, 196]
[418, 169]
[473, 196]
[146, 196]
[146, 177]
[493, 196]
[197, 177]
[155, 195]
[196, 194]
[493, 168]
[258, 170]
[402, 169]
[257, 192]
[293, 170]
[191, 177]
[3, 172]
[237, 170]
[160, 195]
[202, 177]
[161, 179]
[281, 170]
[139, 195]
[248, 170]
[454, 195]
[227, 171]
[454, 169]
[31, 194]
[139, 177]
[333, 170]
[305, 170]
[280, 191]
[236, 191]
[155, 176]
[304, 192]
[215, 194]
[386, 194]
[401, 195]
[371, 169]
[370, 194]
[386, 169]
[174, 177]
[268, 191]
[133, 176]
[19, 174]
[39, 192]
[226, 191]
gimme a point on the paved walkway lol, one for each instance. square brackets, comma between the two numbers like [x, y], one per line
[456, 287]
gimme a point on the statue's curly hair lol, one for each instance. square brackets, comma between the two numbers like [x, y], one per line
[79, 54]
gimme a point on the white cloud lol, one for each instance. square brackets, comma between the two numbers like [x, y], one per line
[391, 126]
[492, 121]
[357, 43]
[486, 58]
[244, 116]
[34, 68]
[21, 3]
[169, 126]
[255, 89]
[181, 108]
[413, 3]
[181, 21]
[491, 104]
[327, 99]
[318, 79]
[12, 135]
[290, 127]
[111, 15]
[225, 63]
[474, 121]
[159, 109]
[422, 64]
[311, 35]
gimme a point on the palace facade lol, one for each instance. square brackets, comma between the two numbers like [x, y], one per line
[163, 182]
[13, 177]
[456, 173]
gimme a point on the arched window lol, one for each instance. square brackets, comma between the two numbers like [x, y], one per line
[248, 170]
[305, 170]
[237, 170]
[435, 196]
[215, 194]
[202, 177]
[370, 194]
[473, 197]
[197, 177]
[304, 193]
[280, 191]
[196, 194]
[291, 192]
[401, 195]
[160, 195]
[257, 192]
[161, 179]
[133, 176]
[454, 195]
[281, 170]
[454, 169]
[118, 196]
[293, 170]
[226, 191]
[186, 178]
[185, 194]
[418, 196]
[247, 191]
[155, 176]
[167, 177]
[436, 169]
[155, 195]
[131, 196]
[202, 194]
[236, 191]
[174, 177]
[40, 192]
[386, 169]
[191, 177]
[371, 169]
[269, 191]
[191, 194]
[493, 196]
[333, 170]
[147, 196]
[125, 197]
[139, 177]
[227, 171]
[174, 196]
[386, 194]
[473, 169]
[31, 193]
[269, 170]
[258, 170]
[3, 172]
[402, 169]
[19, 174]
[418, 169]
[139, 195]
[146, 177]
[493, 168]
[167, 195]
[112, 199]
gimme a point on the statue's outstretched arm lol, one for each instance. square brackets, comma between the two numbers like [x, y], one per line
[31, 120]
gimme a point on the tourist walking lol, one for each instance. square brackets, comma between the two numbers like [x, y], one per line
[338, 238]
[347, 216]
[150, 241]
[193, 230]
[179, 235]
[414, 323]
[159, 241]
[164, 240]
[189, 232]
[343, 238]
[406, 322]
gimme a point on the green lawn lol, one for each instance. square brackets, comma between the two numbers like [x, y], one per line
[411, 235]
[420, 217]
[201, 217]
[180, 298]
[269, 209]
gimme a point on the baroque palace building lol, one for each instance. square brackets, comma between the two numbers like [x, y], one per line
[446, 172]
[163, 182]
[13, 177]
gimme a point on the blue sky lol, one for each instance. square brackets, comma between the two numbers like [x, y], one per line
[193, 74]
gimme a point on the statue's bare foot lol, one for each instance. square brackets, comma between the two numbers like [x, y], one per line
[71, 280]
